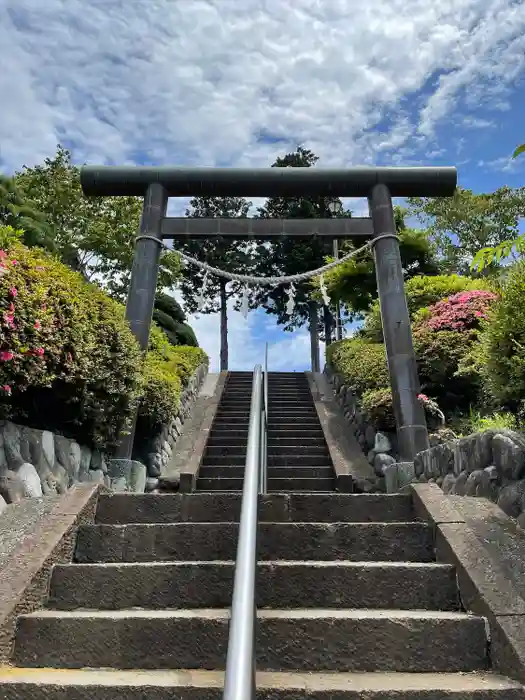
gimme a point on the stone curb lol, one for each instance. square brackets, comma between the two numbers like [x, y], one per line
[188, 477]
[350, 464]
[488, 550]
[48, 540]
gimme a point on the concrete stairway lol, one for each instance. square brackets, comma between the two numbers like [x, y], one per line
[351, 605]
[298, 457]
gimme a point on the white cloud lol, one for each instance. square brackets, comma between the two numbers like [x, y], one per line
[238, 82]
[198, 82]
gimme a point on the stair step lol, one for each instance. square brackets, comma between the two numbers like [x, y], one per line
[293, 443]
[407, 542]
[214, 472]
[122, 508]
[282, 584]
[239, 460]
[330, 640]
[274, 450]
[221, 430]
[286, 484]
[104, 684]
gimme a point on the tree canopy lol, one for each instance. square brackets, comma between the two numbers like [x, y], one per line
[19, 212]
[94, 235]
[463, 224]
[353, 282]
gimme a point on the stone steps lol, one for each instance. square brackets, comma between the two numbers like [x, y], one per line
[123, 508]
[312, 484]
[351, 605]
[409, 542]
[286, 584]
[330, 640]
[286, 472]
[295, 438]
[104, 684]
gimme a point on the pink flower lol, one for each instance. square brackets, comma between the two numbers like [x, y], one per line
[39, 352]
[7, 389]
[37, 325]
[3, 254]
[43, 307]
[13, 291]
[6, 355]
[9, 320]
[422, 397]
[14, 262]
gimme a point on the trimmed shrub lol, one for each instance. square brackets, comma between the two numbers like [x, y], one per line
[460, 312]
[503, 342]
[361, 363]
[421, 292]
[167, 370]
[439, 355]
[68, 361]
[377, 403]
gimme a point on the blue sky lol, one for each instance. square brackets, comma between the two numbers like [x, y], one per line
[224, 82]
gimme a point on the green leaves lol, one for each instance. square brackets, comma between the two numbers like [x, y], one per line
[519, 150]
[93, 235]
[467, 223]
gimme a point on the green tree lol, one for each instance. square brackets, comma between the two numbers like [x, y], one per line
[171, 318]
[466, 223]
[224, 253]
[94, 235]
[17, 211]
[353, 283]
[289, 256]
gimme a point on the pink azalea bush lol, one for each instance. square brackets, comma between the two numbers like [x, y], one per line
[460, 312]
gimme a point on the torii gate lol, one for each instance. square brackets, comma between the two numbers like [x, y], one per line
[379, 185]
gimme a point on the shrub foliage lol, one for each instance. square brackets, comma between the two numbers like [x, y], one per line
[68, 360]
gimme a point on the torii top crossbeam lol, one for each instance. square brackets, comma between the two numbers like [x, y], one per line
[115, 181]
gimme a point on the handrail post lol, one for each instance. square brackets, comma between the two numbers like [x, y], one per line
[239, 681]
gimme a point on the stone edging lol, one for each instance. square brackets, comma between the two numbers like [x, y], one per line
[487, 548]
[157, 454]
[45, 539]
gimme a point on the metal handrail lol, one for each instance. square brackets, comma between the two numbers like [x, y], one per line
[239, 681]
[263, 483]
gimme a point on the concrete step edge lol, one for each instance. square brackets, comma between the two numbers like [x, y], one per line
[354, 685]
[312, 614]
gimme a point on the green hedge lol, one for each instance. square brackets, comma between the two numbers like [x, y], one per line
[502, 360]
[68, 360]
[362, 364]
[423, 291]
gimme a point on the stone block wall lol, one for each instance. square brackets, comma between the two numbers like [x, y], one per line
[156, 453]
[490, 464]
[36, 463]
[379, 447]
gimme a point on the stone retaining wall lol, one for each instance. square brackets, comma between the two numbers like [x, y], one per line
[36, 463]
[489, 464]
[379, 447]
[157, 453]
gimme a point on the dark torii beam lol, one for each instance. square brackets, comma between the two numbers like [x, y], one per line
[113, 181]
[180, 228]
[379, 185]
